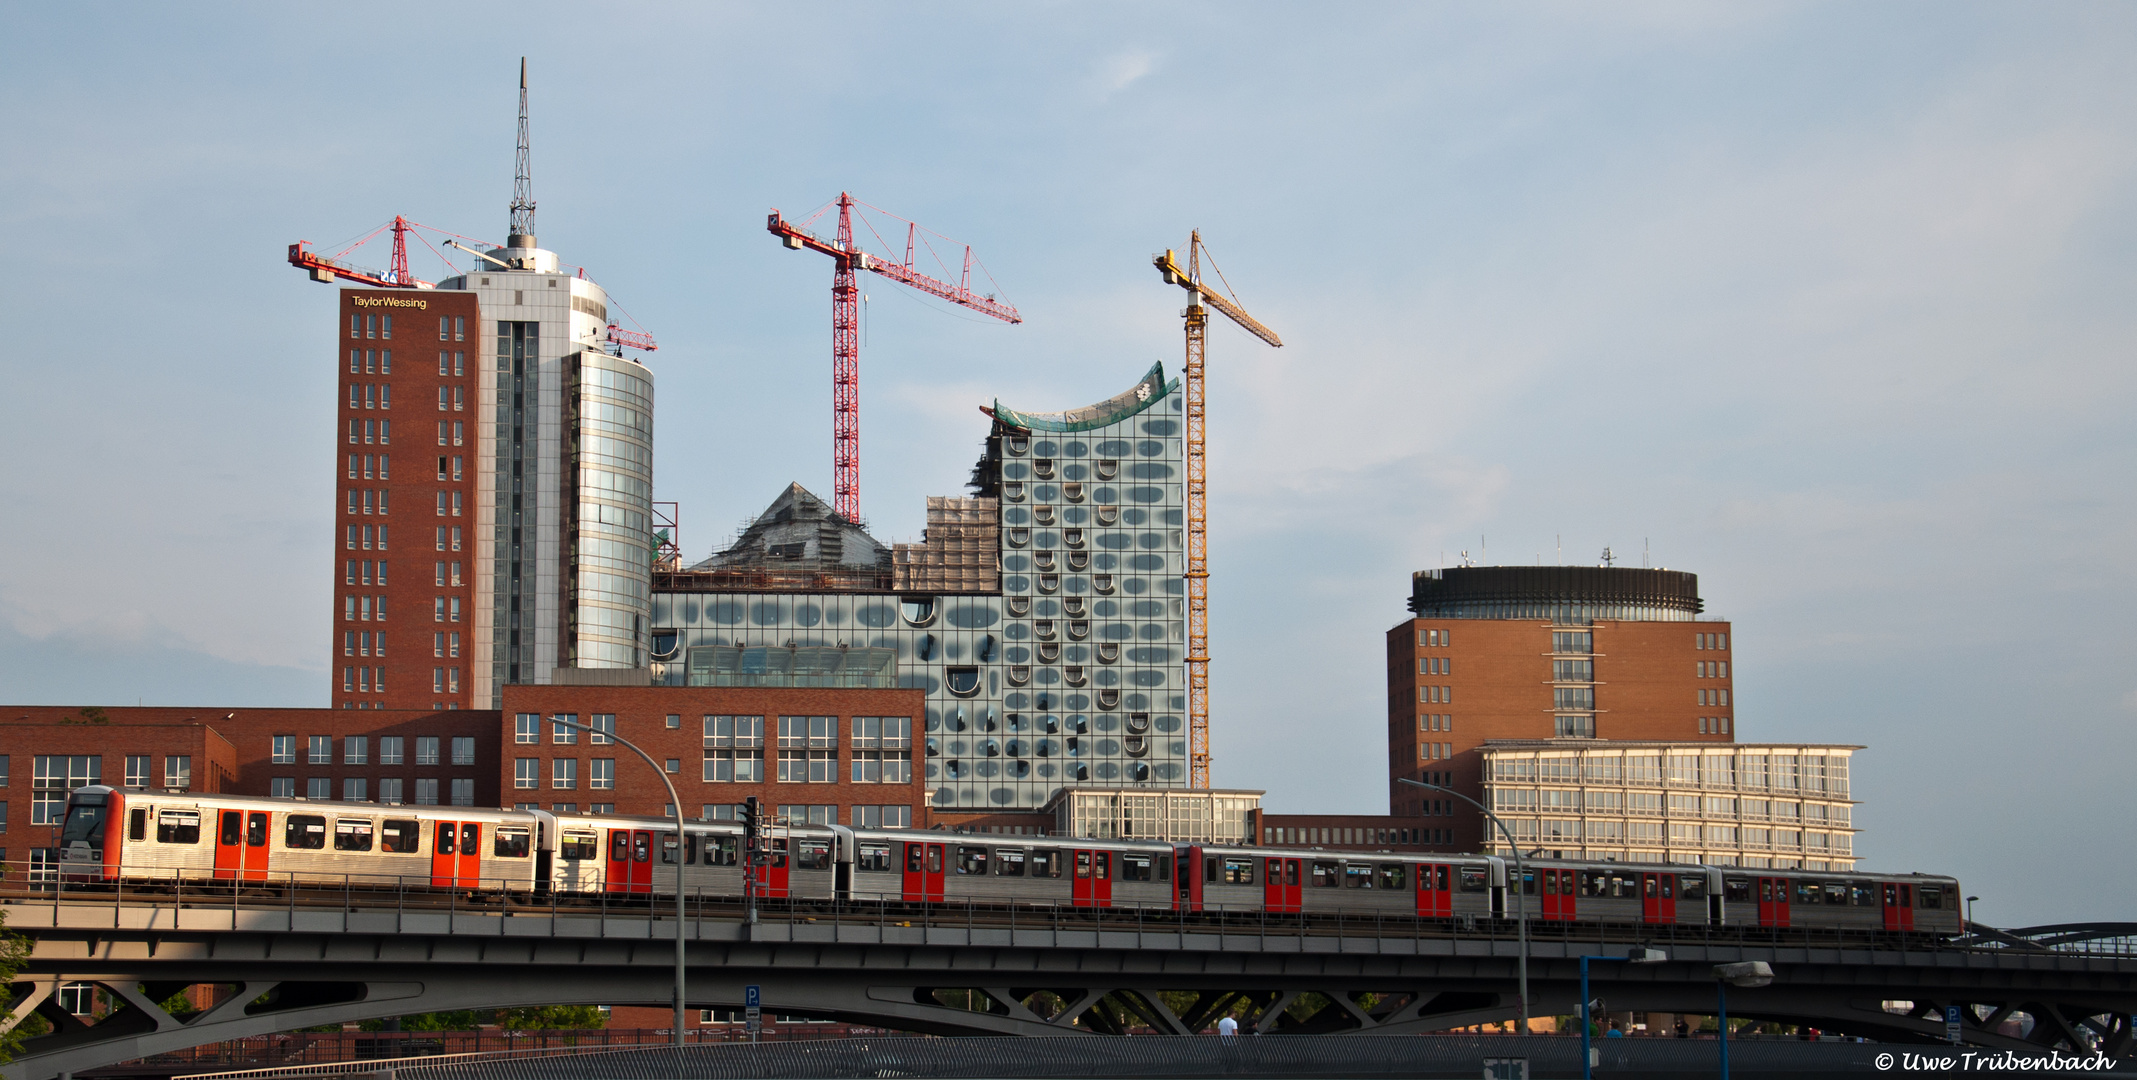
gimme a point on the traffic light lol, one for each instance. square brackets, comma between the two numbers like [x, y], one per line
[751, 808]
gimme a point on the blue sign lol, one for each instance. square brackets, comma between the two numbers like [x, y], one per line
[750, 995]
[1951, 1023]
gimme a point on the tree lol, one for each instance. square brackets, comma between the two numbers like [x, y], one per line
[552, 1018]
[14, 955]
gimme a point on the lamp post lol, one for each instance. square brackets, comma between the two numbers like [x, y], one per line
[1521, 876]
[1640, 954]
[1748, 973]
[1970, 913]
[680, 850]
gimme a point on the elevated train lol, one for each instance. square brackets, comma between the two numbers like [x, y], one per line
[146, 839]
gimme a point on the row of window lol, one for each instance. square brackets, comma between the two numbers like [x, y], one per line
[459, 328]
[371, 395]
[1576, 642]
[1751, 769]
[454, 502]
[392, 790]
[363, 643]
[449, 474]
[452, 430]
[1713, 725]
[1713, 669]
[445, 609]
[451, 363]
[445, 573]
[1710, 641]
[1437, 638]
[369, 467]
[445, 680]
[371, 326]
[1677, 834]
[527, 729]
[362, 608]
[452, 398]
[361, 362]
[1300, 836]
[1435, 722]
[444, 644]
[1652, 804]
[364, 572]
[1575, 726]
[445, 534]
[52, 776]
[1435, 665]
[1435, 751]
[1572, 671]
[371, 431]
[367, 498]
[1714, 697]
[356, 750]
[364, 536]
[809, 766]
[1435, 695]
[869, 732]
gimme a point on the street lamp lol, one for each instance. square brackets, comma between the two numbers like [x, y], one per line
[1521, 876]
[1970, 913]
[1640, 954]
[681, 849]
[1749, 973]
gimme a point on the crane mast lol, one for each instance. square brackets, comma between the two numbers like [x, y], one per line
[1196, 321]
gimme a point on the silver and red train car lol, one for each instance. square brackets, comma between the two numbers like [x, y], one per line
[145, 838]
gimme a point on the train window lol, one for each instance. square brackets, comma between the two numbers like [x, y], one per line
[580, 846]
[1357, 875]
[1239, 871]
[1045, 862]
[1595, 883]
[972, 860]
[304, 831]
[511, 842]
[1836, 894]
[446, 835]
[256, 830]
[690, 849]
[1736, 888]
[1327, 875]
[1473, 879]
[137, 823]
[873, 857]
[934, 858]
[233, 828]
[619, 846]
[352, 834]
[1441, 879]
[913, 854]
[1862, 895]
[1135, 866]
[813, 855]
[1394, 876]
[641, 846]
[1083, 864]
[1550, 883]
[1809, 892]
[720, 851]
[1102, 865]
[1164, 868]
[470, 839]
[1009, 862]
[178, 827]
[1695, 887]
[404, 837]
[1932, 897]
[1669, 886]
[667, 849]
[1647, 882]
[1209, 869]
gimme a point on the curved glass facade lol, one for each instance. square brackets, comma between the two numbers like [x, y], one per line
[1556, 594]
[610, 420]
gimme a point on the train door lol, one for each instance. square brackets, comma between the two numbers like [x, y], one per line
[1560, 898]
[456, 855]
[1281, 891]
[256, 822]
[1435, 893]
[1773, 901]
[229, 844]
[1093, 885]
[1899, 905]
[1658, 898]
[923, 873]
[1188, 895]
[630, 861]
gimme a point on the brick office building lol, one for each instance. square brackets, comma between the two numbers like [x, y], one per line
[1564, 652]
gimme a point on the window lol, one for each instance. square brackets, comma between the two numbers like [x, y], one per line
[734, 749]
[602, 775]
[284, 750]
[56, 775]
[319, 750]
[565, 736]
[883, 817]
[882, 750]
[319, 788]
[353, 789]
[1572, 671]
[426, 749]
[526, 772]
[178, 827]
[792, 814]
[177, 772]
[1574, 697]
[564, 774]
[1572, 641]
[1575, 727]
[463, 750]
[604, 733]
[426, 791]
[527, 728]
[389, 792]
[389, 751]
[137, 770]
[675, 721]
[463, 791]
[282, 787]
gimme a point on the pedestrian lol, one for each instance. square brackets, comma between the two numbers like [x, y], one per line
[1227, 1028]
[1684, 1030]
[1613, 1033]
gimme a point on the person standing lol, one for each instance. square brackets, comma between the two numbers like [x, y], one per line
[1227, 1028]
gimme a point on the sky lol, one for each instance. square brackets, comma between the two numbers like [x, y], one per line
[1825, 302]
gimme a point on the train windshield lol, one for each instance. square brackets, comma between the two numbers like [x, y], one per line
[85, 824]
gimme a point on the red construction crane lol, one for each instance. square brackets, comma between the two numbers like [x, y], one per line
[846, 323]
[327, 268]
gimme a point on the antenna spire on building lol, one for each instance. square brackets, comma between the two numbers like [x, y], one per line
[522, 231]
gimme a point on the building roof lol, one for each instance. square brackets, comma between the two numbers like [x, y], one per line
[1113, 410]
[1653, 744]
[799, 544]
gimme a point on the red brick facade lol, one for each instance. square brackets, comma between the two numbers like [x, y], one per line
[1453, 684]
[405, 468]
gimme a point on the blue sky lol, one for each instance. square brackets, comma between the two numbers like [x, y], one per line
[1825, 302]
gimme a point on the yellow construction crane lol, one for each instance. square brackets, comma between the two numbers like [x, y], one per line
[1190, 278]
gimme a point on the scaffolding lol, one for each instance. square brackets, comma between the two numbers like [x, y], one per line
[959, 553]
